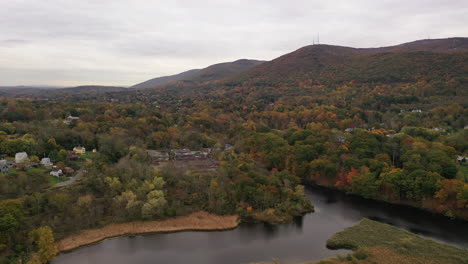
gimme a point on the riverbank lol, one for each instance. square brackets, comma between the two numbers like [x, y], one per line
[422, 206]
[200, 221]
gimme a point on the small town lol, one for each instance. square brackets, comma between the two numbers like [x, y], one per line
[59, 173]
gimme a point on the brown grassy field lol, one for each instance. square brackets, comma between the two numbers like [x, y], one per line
[196, 221]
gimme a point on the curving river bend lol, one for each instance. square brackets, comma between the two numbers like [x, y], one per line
[303, 240]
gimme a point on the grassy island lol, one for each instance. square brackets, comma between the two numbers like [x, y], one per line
[375, 242]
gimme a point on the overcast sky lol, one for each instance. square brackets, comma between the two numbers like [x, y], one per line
[124, 42]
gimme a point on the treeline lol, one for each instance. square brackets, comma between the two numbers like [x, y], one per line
[132, 189]
[382, 141]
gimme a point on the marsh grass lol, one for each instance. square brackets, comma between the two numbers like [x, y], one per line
[376, 238]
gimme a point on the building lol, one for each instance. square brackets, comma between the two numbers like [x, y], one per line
[156, 155]
[67, 170]
[71, 155]
[341, 139]
[4, 168]
[462, 159]
[185, 154]
[46, 162]
[439, 129]
[79, 150]
[56, 173]
[349, 129]
[228, 147]
[21, 157]
[70, 119]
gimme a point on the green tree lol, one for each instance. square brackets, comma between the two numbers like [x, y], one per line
[44, 242]
[154, 205]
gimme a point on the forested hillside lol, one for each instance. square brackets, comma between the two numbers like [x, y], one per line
[215, 72]
[388, 124]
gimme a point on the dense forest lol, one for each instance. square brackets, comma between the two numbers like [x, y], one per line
[390, 126]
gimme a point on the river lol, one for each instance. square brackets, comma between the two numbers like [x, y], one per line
[303, 240]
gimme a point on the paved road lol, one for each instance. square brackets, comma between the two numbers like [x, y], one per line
[71, 180]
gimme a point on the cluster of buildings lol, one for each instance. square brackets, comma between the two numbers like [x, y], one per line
[22, 159]
[187, 158]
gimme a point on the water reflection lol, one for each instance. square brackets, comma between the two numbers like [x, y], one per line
[302, 240]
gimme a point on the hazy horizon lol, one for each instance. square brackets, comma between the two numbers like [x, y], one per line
[67, 43]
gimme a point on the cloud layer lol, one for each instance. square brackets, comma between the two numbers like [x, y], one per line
[122, 42]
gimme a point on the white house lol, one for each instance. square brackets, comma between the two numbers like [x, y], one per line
[69, 119]
[21, 157]
[46, 162]
[56, 173]
[462, 159]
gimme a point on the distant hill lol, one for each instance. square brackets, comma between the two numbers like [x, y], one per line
[423, 68]
[87, 91]
[91, 88]
[433, 45]
[441, 60]
[212, 73]
[166, 79]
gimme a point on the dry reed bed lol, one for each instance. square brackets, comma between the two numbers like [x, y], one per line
[199, 221]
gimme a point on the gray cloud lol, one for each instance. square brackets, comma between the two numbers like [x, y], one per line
[123, 42]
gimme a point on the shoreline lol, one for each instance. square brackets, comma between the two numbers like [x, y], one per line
[199, 221]
[392, 203]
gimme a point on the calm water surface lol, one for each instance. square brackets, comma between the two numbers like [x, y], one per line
[303, 240]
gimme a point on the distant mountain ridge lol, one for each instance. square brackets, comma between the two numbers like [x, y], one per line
[434, 66]
[211, 73]
[46, 92]
[325, 64]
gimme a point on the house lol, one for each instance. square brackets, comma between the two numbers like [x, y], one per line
[4, 168]
[416, 111]
[56, 173]
[349, 130]
[70, 119]
[341, 139]
[46, 162]
[79, 150]
[67, 170]
[462, 159]
[21, 157]
[439, 129]
[228, 147]
[71, 155]
[158, 155]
